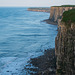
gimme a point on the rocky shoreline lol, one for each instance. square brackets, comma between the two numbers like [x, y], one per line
[63, 63]
[43, 65]
[48, 21]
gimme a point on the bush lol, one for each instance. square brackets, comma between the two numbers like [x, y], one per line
[69, 17]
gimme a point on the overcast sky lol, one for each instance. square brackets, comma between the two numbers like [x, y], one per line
[37, 3]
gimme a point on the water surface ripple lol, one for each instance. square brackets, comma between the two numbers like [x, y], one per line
[22, 35]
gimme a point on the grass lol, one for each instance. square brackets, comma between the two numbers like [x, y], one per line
[65, 6]
[69, 17]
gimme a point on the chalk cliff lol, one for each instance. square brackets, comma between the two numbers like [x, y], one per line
[56, 13]
[65, 48]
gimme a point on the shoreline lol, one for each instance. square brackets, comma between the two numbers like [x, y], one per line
[48, 21]
[47, 10]
[43, 65]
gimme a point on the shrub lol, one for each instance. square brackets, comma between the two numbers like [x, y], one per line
[69, 17]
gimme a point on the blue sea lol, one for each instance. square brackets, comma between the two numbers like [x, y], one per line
[23, 35]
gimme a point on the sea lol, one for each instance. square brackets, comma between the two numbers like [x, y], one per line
[23, 36]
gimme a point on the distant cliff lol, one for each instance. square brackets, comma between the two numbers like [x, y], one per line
[65, 44]
[40, 9]
[57, 11]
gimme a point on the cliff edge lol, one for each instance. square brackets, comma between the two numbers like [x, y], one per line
[57, 11]
[65, 43]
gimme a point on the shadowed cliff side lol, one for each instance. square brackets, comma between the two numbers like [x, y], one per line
[65, 44]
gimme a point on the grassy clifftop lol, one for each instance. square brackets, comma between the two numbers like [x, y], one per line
[65, 6]
[69, 16]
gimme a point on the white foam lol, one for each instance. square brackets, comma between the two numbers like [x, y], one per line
[15, 65]
[12, 65]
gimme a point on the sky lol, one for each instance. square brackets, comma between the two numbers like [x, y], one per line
[35, 3]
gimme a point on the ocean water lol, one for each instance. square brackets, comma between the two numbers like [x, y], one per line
[22, 36]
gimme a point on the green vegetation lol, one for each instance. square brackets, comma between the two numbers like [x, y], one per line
[65, 6]
[69, 17]
[68, 5]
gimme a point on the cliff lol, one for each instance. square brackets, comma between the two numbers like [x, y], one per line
[65, 45]
[57, 11]
[40, 9]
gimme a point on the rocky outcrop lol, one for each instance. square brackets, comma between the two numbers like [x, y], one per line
[43, 65]
[65, 49]
[56, 13]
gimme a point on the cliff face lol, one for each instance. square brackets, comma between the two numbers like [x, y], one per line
[56, 12]
[65, 49]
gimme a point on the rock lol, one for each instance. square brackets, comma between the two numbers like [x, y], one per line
[44, 65]
[7, 71]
